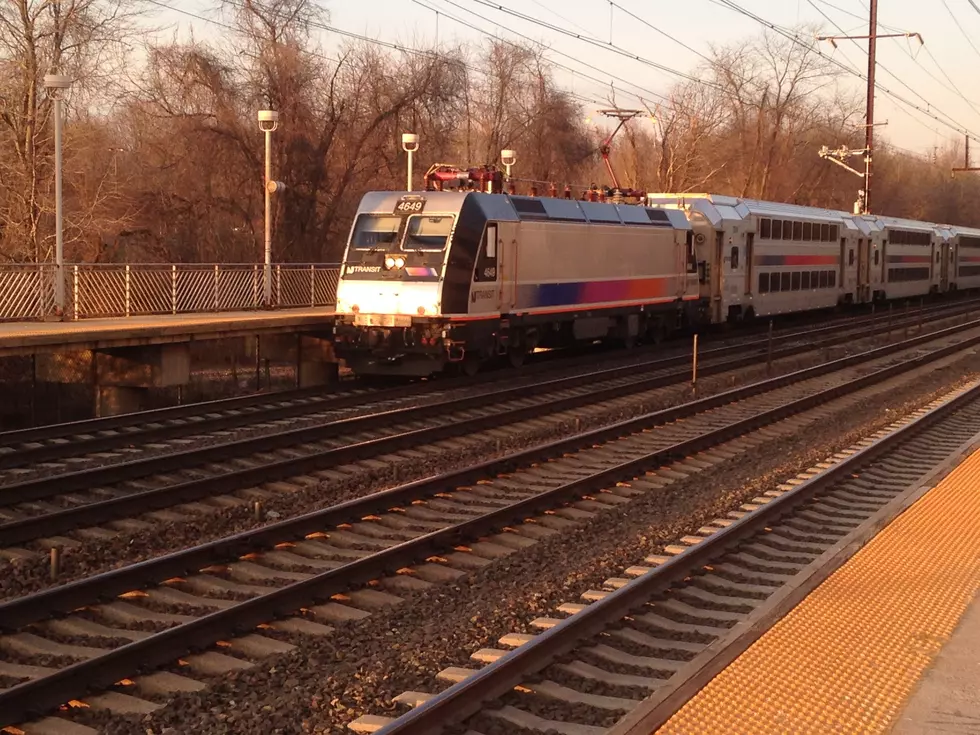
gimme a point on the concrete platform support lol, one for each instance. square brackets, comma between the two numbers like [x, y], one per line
[312, 355]
[121, 375]
[316, 363]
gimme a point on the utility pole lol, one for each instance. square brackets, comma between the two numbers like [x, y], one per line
[966, 160]
[863, 204]
[869, 139]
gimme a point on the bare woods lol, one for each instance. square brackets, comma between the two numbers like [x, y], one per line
[163, 157]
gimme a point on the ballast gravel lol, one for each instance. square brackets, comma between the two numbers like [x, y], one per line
[328, 682]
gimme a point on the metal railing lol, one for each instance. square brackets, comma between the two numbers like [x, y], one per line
[27, 291]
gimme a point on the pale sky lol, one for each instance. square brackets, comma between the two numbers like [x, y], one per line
[935, 77]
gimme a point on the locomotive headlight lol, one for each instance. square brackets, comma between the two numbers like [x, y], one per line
[389, 262]
[399, 262]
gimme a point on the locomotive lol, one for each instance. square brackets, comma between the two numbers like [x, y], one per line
[456, 276]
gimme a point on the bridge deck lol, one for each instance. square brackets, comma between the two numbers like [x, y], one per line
[53, 336]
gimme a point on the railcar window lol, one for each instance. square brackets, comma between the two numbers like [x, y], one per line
[785, 285]
[735, 257]
[823, 279]
[797, 230]
[824, 233]
[814, 279]
[937, 256]
[805, 280]
[850, 256]
[777, 229]
[876, 256]
[970, 241]
[796, 280]
[774, 282]
[832, 279]
[427, 233]
[763, 283]
[808, 231]
[374, 231]
[765, 226]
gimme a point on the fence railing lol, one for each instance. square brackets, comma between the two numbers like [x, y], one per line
[27, 291]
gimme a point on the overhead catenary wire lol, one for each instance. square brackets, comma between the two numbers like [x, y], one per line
[347, 34]
[960, 26]
[611, 76]
[888, 71]
[948, 122]
[576, 72]
[614, 48]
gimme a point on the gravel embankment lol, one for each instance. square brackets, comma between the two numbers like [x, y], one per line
[93, 555]
[330, 681]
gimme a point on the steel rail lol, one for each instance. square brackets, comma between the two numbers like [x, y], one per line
[467, 697]
[89, 435]
[33, 527]
[50, 485]
[39, 695]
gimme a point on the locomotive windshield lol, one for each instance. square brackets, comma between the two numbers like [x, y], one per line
[427, 233]
[375, 231]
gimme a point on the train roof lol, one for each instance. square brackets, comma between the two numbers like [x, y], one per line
[512, 208]
[719, 207]
[899, 222]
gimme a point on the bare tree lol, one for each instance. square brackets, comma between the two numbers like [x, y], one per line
[85, 39]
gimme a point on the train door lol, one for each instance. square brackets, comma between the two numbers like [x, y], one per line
[507, 271]
[842, 265]
[717, 277]
[954, 264]
[485, 291]
[864, 270]
[944, 251]
[749, 260]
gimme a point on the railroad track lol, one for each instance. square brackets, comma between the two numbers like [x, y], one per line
[117, 438]
[179, 605]
[626, 657]
[56, 504]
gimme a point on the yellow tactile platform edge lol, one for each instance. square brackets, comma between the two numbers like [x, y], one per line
[848, 657]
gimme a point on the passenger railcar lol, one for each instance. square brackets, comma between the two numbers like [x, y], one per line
[964, 255]
[441, 277]
[761, 258]
[914, 259]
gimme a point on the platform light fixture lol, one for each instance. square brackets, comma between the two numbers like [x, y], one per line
[410, 144]
[268, 123]
[509, 158]
[57, 86]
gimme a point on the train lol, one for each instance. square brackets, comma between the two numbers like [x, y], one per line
[453, 278]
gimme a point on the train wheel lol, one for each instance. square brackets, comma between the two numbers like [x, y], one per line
[516, 356]
[471, 366]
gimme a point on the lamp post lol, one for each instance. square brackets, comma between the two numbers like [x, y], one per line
[509, 158]
[56, 85]
[410, 144]
[268, 122]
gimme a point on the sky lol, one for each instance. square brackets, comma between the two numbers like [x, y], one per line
[937, 77]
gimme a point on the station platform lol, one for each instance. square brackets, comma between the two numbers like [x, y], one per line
[889, 643]
[18, 338]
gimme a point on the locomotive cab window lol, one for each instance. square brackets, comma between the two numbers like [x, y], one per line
[375, 231]
[427, 233]
[486, 262]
